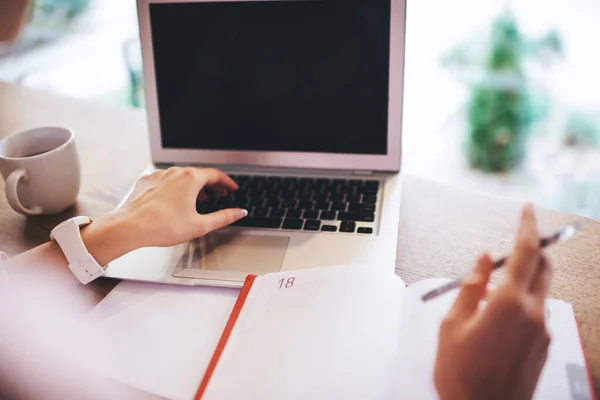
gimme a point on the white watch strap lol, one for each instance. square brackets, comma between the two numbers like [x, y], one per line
[68, 236]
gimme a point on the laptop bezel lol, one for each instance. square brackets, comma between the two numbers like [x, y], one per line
[333, 161]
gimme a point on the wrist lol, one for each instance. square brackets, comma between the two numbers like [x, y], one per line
[110, 237]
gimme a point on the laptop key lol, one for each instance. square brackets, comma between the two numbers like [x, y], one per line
[338, 197]
[225, 202]
[372, 184]
[290, 183]
[260, 212]
[348, 227]
[272, 184]
[242, 193]
[366, 231]
[328, 215]
[241, 203]
[322, 205]
[275, 203]
[256, 222]
[320, 187]
[312, 225]
[295, 213]
[311, 214]
[290, 204]
[354, 207]
[277, 213]
[369, 199]
[289, 195]
[329, 228]
[322, 197]
[338, 206]
[257, 202]
[356, 216]
[354, 198]
[293, 223]
[306, 204]
[305, 184]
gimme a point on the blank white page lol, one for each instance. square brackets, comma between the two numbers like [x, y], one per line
[163, 336]
[330, 333]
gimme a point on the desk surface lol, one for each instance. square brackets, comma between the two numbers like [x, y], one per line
[442, 229]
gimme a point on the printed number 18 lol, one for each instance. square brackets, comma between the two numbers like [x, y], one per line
[286, 283]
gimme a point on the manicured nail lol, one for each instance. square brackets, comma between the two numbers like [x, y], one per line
[244, 213]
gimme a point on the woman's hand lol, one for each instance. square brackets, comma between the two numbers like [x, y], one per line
[498, 350]
[161, 212]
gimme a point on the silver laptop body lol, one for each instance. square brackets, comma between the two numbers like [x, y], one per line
[301, 102]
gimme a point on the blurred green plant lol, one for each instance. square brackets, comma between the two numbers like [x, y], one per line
[55, 13]
[582, 130]
[71, 8]
[46, 20]
[132, 54]
[502, 105]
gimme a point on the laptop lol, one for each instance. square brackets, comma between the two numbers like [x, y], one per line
[300, 101]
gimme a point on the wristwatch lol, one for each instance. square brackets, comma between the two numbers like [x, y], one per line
[68, 237]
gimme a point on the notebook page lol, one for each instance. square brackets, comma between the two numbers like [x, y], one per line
[313, 334]
[564, 375]
[163, 335]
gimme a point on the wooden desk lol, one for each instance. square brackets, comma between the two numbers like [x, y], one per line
[442, 229]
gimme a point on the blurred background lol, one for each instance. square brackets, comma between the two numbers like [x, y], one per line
[500, 96]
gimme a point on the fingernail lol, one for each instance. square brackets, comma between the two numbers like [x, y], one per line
[243, 213]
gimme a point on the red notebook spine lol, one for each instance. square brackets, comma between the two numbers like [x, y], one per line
[235, 313]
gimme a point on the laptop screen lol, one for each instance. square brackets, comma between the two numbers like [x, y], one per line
[293, 75]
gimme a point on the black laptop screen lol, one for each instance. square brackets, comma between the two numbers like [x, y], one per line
[292, 75]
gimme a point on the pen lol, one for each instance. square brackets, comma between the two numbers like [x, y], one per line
[560, 235]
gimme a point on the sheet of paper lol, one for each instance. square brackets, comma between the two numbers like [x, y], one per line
[563, 377]
[320, 334]
[163, 336]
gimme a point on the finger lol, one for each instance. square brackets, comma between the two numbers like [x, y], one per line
[490, 291]
[474, 289]
[540, 283]
[522, 264]
[217, 220]
[214, 177]
[157, 176]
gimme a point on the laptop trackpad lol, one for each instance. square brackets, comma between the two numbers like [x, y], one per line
[234, 254]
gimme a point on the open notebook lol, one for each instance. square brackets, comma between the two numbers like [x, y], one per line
[348, 332]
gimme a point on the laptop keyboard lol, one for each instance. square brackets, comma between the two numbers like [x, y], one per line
[328, 205]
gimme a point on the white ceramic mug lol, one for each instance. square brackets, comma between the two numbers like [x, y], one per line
[41, 170]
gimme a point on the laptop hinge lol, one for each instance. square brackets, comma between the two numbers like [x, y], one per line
[363, 173]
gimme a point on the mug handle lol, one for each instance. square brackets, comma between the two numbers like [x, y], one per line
[12, 182]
